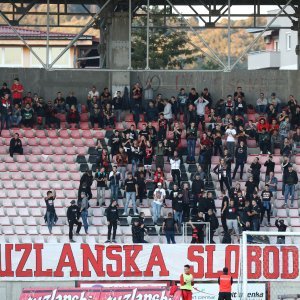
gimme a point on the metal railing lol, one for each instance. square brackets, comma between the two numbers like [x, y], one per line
[185, 231]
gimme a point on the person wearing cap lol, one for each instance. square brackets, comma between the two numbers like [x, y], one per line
[73, 215]
[290, 179]
[225, 282]
[112, 216]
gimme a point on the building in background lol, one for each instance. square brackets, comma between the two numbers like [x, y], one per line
[14, 53]
[280, 47]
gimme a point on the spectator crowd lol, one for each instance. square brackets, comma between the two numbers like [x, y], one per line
[147, 159]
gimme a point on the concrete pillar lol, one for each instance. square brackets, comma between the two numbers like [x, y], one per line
[117, 51]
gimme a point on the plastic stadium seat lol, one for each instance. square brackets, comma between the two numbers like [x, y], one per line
[32, 142]
[55, 185]
[96, 221]
[30, 221]
[64, 133]
[59, 167]
[7, 202]
[24, 167]
[13, 194]
[40, 176]
[36, 194]
[71, 151]
[37, 167]
[20, 158]
[8, 185]
[59, 150]
[55, 142]
[12, 167]
[98, 134]
[3, 194]
[25, 239]
[33, 158]
[3, 167]
[11, 211]
[21, 202]
[295, 222]
[43, 230]
[52, 176]
[294, 213]
[6, 133]
[13, 239]
[4, 221]
[47, 150]
[44, 142]
[52, 239]
[281, 213]
[24, 212]
[75, 134]
[87, 134]
[20, 230]
[17, 175]
[60, 211]
[52, 133]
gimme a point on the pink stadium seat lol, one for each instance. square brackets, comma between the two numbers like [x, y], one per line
[75, 134]
[67, 143]
[40, 134]
[44, 185]
[52, 134]
[295, 222]
[56, 159]
[23, 212]
[36, 150]
[31, 202]
[12, 167]
[87, 134]
[24, 167]
[21, 158]
[47, 150]
[294, 213]
[64, 133]
[32, 142]
[17, 176]
[85, 126]
[35, 211]
[69, 159]
[71, 194]
[44, 142]
[36, 194]
[55, 142]
[24, 193]
[11, 212]
[52, 176]
[5, 133]
[64, 176]
[40, 175]
[29, 133]
[78, 143]
[20, 185]
[3, 167]
[38, 239]
[84, 117]
[98, 134]
[59, 150]
[88, 142]
[70, 151]
[281, 213]
[48, 168]
[37, 167]
[81, 150]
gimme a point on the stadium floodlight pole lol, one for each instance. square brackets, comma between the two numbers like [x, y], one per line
[229, 37]
[78, 36]
[129, 35]
[198, 35]
[147, 42]
[22, 39]
[261, 33]
[48, 31]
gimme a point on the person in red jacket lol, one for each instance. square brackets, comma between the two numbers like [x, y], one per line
[186, 283]
[17, 90]
[262, 123]
[225, 283]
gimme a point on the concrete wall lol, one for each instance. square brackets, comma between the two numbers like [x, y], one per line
[12, 290]
[167, 83]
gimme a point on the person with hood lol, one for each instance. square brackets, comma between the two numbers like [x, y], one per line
[73, 215]
[112, 216]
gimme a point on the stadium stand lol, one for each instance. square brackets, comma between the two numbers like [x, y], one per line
[58, 159]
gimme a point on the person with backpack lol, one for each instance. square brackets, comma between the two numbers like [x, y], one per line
[225, 283]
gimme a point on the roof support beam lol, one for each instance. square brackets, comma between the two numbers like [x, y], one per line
[82, 31]
[21, 38]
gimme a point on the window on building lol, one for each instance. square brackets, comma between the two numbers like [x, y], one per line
[64, 61]
[288, 41]
[12, 56]
[41, 53]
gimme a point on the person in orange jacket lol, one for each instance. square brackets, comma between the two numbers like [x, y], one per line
[225, 283]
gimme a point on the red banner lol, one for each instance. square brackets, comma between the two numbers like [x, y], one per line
[148, 293]
[143, 262]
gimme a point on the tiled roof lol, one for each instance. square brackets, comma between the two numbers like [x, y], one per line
[6, 32]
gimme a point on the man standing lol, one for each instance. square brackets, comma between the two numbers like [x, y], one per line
[186, 283]
[290, 179]
[159, 195]
[114, 182]
[225, 282]
[112, 216]
[240, 159]
[15, 145]
[175, 168]
[73, 215]
[230, 140]
[168, 227]
[131, 192]
[84, 211]
[50, 210]
[200, 104]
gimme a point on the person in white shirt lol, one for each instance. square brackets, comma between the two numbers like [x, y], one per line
[159, 197]
[230, 141]
[261, 104]
[168, 113]
[175, 167]
[93, 93]
[200, 106]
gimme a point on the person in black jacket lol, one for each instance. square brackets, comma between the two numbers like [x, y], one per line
[85, 184]
[270, 165]
[255, 171]
[177, 205]
[214, 224]
[290, 179]
[112, 216]
[281, 228]
[15, 145]
[197, 188]
[137, 232]
[210, 203]
[240, 159]
[50, 216]
[73, 215]
[222, 172]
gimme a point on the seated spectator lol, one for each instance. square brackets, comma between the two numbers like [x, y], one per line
[251, 130]
[28, 99]
[27, 116]
[92, 94]
[108, 116]
[137, 232]
[39, 109]
[4, 90]
[273, 126]
[158, 176]
[16, 116]
[240, 107]
[96, 116]
[272, 114]
[105, 97]
[261, 104]
[60, 103]
[71, 100]
[5, 111]
[168, 227]
[50, 114]
[15, 145]
[73, 116]
[275, 101]
[229, 105]
[117, 105]
[151, 112]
